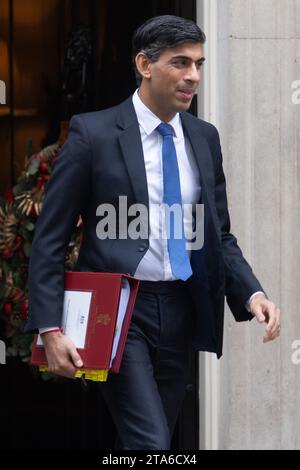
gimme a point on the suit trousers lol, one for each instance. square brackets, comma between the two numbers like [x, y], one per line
[145, 398]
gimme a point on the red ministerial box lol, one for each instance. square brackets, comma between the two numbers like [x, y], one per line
[97, 313]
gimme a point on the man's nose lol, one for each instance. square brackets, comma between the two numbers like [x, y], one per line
[193, 74]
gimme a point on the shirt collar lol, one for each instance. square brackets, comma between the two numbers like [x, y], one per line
[149, 121]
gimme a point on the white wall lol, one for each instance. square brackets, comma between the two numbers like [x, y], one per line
[256, 60]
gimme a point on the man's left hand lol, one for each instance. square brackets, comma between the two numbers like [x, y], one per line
[266, 311]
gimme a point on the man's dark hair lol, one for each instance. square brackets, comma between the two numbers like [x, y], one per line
[163, 32]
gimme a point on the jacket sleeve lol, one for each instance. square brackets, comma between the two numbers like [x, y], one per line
[240, 281]
[65, 197]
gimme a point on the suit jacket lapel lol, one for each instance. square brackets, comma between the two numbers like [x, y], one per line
[212, 239]
[204, 161]
[132, 150]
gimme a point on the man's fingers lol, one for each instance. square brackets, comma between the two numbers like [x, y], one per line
[65, 369]
[270, 336]
[271, 310]
[266, 339]
[275, 331]
[258, 312]
[77, 361]
[69, 367]
[266, 311]
[274, 323]
[276, 326]
[63, 358]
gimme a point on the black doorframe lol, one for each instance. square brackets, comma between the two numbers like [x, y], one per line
[187, 9]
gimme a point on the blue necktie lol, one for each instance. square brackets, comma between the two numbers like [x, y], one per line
[179, 259]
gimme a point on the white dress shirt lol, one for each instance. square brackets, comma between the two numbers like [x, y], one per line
[155, 265]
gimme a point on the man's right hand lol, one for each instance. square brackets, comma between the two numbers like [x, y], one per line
[62, 356]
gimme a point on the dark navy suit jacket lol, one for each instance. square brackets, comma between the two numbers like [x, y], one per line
[103, 159]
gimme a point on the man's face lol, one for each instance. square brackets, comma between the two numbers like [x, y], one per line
[173, 79]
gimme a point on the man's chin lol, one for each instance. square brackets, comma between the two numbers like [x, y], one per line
[181, 107]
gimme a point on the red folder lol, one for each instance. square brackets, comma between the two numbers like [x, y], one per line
[105, 289]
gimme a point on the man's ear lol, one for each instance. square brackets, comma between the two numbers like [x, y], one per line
[143, 65]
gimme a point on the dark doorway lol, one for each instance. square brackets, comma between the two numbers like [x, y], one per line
[116, 77]
[74, 417]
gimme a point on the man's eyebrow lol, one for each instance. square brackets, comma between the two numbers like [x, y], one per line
[202, 59]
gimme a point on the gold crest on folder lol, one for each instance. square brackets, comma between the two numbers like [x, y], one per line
[103, 318]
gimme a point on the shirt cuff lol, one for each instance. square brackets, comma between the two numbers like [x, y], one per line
[247, 305]
[47, 330]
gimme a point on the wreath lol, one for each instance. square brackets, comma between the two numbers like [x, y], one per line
[20, 208]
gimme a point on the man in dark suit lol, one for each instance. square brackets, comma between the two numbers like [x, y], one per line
[151, 152]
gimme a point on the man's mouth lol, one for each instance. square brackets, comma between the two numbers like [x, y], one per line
[187, 93]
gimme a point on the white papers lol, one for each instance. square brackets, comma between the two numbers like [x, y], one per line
[124, 298]
[75, 316]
